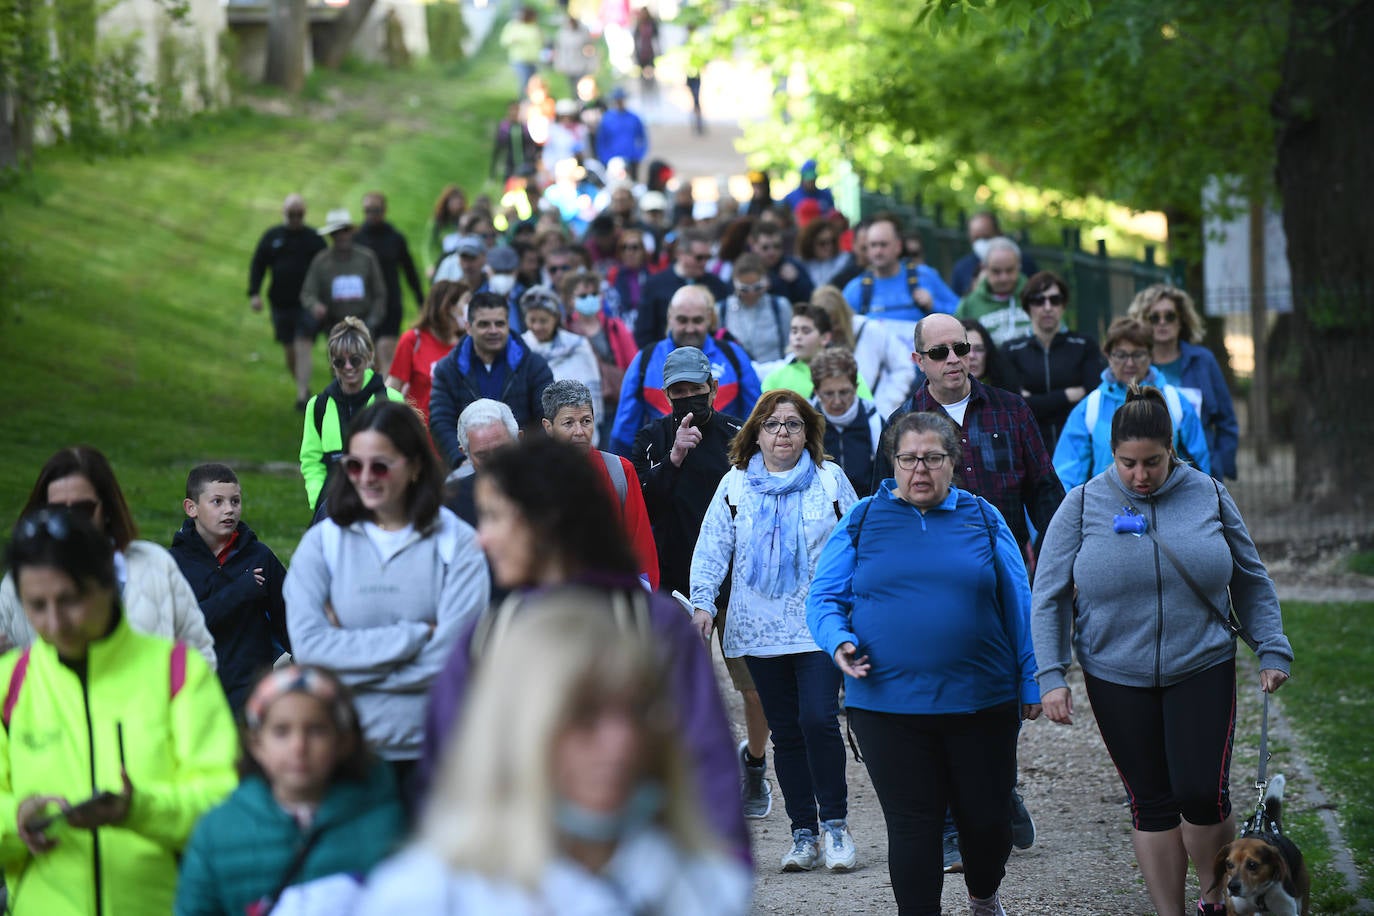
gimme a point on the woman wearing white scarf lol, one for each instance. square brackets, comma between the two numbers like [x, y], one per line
[771, 514]
[853, 425]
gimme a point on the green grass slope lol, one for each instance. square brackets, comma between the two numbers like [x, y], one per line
[124, 319]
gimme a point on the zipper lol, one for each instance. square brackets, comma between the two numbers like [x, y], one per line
[1159, 602]
[95, 834]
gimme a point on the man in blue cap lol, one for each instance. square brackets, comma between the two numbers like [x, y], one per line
[807, 190]
[622, 135]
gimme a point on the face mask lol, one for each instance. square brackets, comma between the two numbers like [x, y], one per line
[587, 305]
[980, 249]
[501, 284]
[698, 405]
[578, 822]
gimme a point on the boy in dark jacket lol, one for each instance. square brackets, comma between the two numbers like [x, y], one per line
[237, 579]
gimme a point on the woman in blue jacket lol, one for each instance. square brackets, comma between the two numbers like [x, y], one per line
[1176, 330]
[921, 597]
[1084, 449]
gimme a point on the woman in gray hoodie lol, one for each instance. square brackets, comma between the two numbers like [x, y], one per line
[1158, 661]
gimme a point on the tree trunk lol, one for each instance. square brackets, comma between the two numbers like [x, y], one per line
[1325, 138]
[338, 40]
[288, 29]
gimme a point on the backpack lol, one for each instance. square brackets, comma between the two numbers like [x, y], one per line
[734, 491]
[375, 386]
[1093, 411]
[617, 472]
[769, 302]
[866, 284]
[176, 679]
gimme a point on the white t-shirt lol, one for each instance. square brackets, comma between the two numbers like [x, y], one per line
[388, 543]
[957, 409]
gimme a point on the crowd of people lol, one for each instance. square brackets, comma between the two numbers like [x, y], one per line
[612, 437]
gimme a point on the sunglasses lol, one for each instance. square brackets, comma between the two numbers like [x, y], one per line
[379, 468]
[558, 268]
[53, 522]
[756, 287]
[940, 352]
[82, 507]
[1164, 318]
[700, 258]
[352, 362]
[1051, 299]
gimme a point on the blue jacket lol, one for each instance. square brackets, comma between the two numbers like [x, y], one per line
[642, 399]
[1081, 453]
[939, 602]
[621, 134]
[1199, 370]
[891, 296]
[456, 386]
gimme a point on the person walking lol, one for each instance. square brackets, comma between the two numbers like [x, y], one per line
[1155, 642]
[392, 251]
[286, 251]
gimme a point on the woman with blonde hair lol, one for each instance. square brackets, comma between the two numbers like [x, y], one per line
[884, 361]
[1178, 356]
[564, 793]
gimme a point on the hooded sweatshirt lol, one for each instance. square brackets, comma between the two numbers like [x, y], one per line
[1135, 622]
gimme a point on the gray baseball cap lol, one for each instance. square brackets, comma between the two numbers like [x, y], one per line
[686, 364]
[503, 260]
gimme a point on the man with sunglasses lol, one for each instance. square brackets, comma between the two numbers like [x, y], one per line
[689, 269]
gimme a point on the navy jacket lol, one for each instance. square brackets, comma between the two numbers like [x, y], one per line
[456, 386]
[855, 446]
[1200, 371]
[247, 620]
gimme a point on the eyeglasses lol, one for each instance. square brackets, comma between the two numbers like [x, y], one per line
[82, 507]
[933, 461]
[1163, 317]
[700, 258]
[940, 352]
[757, 287]
[352, 362]
[1051, 299]
[379, 468]
[1132, 356]
[558, 268]
[843, 394]
[774, 427]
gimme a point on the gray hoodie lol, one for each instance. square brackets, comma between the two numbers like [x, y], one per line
[399, 617]
[1135, 621]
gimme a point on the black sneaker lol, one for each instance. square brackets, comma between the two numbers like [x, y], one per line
[1022, 827]
[755, 790]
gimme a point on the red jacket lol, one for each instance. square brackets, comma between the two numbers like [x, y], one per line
[633, 514]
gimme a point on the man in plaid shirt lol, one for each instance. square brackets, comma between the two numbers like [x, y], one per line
[1005, 461]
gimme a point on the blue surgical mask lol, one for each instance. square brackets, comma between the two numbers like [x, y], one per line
[587, 305]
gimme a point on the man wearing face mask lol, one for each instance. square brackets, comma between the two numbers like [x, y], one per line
[680, 460]
[982, 229]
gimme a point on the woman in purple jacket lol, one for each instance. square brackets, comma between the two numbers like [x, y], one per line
[546, 520]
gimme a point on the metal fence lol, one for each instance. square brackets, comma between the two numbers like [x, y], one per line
[1267, 485]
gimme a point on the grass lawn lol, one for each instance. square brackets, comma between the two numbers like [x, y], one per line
[124, 319]
[1330, 702]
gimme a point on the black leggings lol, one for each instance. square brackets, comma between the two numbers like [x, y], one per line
[921, 764]
[1171, 745]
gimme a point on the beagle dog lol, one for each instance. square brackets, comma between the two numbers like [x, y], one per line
[1264, 872]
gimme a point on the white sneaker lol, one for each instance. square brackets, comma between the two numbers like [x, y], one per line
[989, 907]
[837, 845]
[803, 855]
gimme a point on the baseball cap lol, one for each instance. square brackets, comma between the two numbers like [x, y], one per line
[503, 260]
[686, 364]
[470, 244]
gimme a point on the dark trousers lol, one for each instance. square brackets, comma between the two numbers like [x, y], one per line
[921, 764]
[1171, 745]
[800, 697]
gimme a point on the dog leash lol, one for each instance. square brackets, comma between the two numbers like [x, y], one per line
[1258, 823]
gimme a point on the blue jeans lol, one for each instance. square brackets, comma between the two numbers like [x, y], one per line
[800, 696]
[523, 74]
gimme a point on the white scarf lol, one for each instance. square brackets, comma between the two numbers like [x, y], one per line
[844, 419]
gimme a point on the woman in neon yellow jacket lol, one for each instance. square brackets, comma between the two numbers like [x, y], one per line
[114, 743]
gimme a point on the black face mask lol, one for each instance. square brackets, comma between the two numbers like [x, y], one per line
[698, 405]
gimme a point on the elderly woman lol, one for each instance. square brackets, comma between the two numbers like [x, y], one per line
[114, 743]
[1084, 447]
[442, 324]
[1177, 332]
[853, 426]
[380, 590]
[569, 355]
[921, 599]
[1057, 368]
[154, 595]
[1155, 642]
[328, 413]
[567, 792]
[767, 520]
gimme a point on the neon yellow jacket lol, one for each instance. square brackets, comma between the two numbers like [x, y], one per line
[61, 740]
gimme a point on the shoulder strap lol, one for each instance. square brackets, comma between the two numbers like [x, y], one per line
[784, 326]
[831, 482]
[865, 291]
[858, 528]
[321, 405]
[732, 359]
[617, 472]
[1232, 625]
[1090, 413]
[734, 490]
[178, 666]
[644, 356]
[293, 868]
[21, 669]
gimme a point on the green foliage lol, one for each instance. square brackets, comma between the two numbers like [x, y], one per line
[125, 318]
[1362, 563]
[1330, 701]
[447, 31]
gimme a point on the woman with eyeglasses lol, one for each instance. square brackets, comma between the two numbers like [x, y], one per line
[379, 591]
[156, 597]
[767, 521]
[853, 425]
[114, 742]
[1177, 333]
[1084, 449]
[328, 413]
[1057, 367]
[757, 320]
[922, 600]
